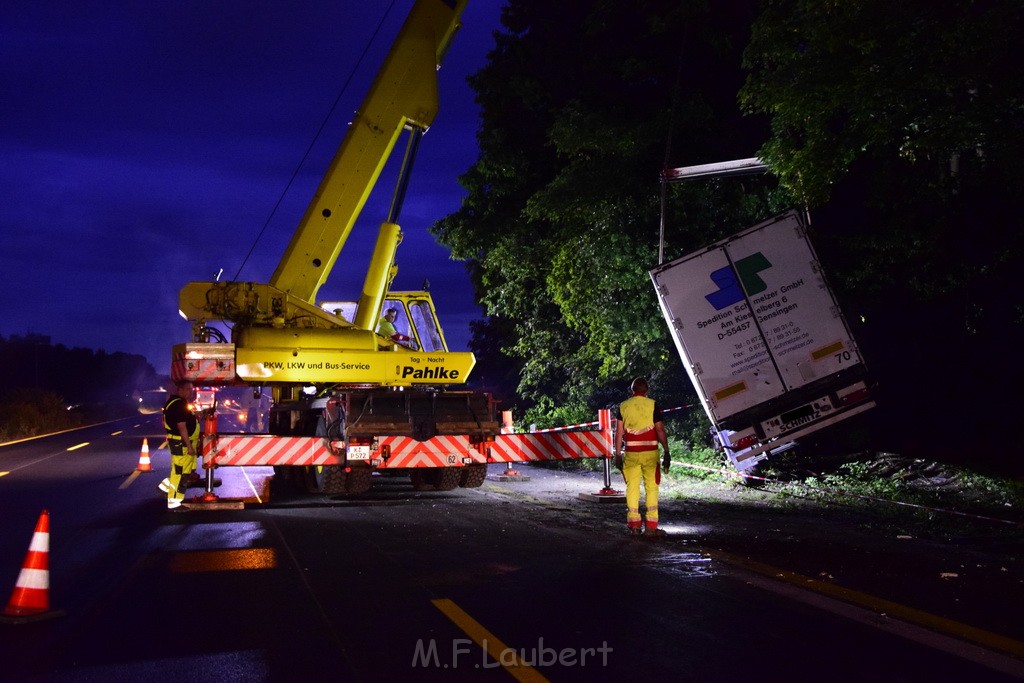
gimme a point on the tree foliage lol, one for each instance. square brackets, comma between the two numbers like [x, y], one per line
[78, 375]
[30, 411]
[910, 118]
[902, 124]
[897, 124]
[583, 103]
[925, 82]
[48, 387]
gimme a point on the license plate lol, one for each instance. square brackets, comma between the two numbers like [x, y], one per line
[358, 453]
[798, 417]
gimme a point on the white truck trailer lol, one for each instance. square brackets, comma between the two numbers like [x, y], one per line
[762, 339]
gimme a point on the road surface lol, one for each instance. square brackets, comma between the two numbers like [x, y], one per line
[515, 580]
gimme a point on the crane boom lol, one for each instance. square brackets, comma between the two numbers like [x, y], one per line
[404, 95]
[349, 398]
[279, 333]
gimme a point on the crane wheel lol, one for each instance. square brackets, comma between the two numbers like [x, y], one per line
[420, 479]
[358, 480]
[446, 478]
[436, 478]
[288, 479]
[329, 479]
[472, 476]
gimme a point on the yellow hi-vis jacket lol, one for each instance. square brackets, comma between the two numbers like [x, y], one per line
[172, 430]
[638, 422]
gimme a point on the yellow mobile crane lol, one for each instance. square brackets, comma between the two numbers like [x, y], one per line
[347, 400]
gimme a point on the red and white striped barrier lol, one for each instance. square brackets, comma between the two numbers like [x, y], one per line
[402, 452]
[439, 451]
[567, 428]
[585, 425]
[537, 447]
[251, 450]
[203, 370]
[564, 443]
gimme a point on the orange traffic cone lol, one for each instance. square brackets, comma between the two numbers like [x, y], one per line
[31, 597]
[144, 464]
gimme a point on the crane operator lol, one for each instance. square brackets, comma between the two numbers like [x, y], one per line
[386, 328]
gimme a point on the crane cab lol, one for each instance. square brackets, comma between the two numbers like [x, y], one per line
[416, 318]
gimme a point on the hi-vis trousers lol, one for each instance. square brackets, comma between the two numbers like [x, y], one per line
[181, 464]
[637, 466]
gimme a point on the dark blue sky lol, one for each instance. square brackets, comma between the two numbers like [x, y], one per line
[144, 145]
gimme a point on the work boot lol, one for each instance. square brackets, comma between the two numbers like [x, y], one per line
[634, 531]
[655, 532]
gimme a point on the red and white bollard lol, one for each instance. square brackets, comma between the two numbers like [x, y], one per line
[604, 420]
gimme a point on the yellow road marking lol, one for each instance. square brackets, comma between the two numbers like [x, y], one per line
[224, 560]
[119, 431]
[498, 651]
[251, 486]
[987, 639]
[919, 618]
[3, 473]
[128, 482]
[81, 445]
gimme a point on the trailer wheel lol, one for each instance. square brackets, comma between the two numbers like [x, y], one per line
[473, 475]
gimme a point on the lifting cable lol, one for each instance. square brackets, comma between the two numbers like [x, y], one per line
[316, 137]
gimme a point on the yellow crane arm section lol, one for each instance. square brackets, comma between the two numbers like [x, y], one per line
[403, 95]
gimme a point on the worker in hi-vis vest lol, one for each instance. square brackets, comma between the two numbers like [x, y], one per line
[182, 441]
[640, 426]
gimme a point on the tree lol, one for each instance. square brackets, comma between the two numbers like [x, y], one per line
[917, 108]
[580, 100]
[30, 411]
[902, 124]
[926, 82]
[80, 376]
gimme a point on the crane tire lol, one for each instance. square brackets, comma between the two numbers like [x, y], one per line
[472, 476]
[358, 480]
[420, 481]
[447, 478]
